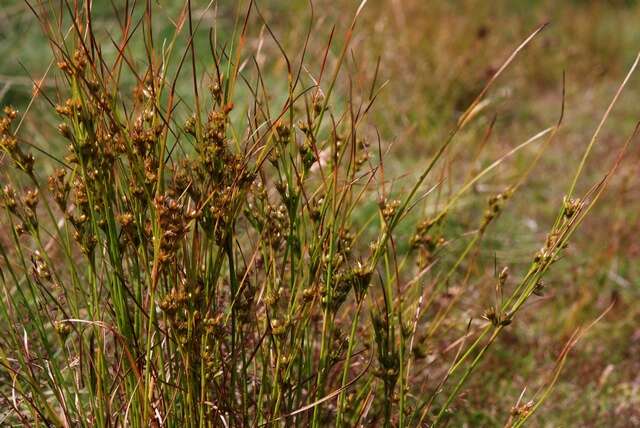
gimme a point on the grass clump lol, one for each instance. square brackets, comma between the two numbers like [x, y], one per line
[220, 253]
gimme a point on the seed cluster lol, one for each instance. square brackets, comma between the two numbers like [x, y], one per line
[9, 142]
[426, 242]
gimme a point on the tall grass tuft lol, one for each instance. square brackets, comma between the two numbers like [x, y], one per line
[215, 248]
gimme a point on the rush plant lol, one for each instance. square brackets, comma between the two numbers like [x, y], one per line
[205, 245]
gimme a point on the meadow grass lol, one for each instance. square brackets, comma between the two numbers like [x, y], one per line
[217, 242]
